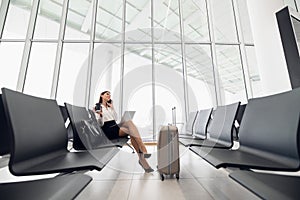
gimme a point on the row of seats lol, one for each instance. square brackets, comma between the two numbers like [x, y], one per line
[218, 133]
[269, 139]
[33, 134]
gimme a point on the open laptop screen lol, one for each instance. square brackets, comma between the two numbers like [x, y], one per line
[127, 115]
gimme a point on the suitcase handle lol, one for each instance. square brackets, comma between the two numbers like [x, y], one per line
[174, 116]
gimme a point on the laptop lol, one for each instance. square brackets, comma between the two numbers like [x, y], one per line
[127, 115]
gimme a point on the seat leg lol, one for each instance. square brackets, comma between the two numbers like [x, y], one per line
[130, 147]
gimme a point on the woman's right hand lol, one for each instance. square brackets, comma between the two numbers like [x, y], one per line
[99, 112]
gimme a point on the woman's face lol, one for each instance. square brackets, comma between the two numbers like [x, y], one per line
[106, 96]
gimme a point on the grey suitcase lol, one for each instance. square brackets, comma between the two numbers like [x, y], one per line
[168, 152]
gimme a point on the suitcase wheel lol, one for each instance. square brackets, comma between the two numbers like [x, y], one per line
[162, 177]
[177, 176]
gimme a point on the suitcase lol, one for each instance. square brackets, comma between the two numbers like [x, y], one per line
[168, 152]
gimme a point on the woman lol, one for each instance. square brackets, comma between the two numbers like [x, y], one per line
[107, 117]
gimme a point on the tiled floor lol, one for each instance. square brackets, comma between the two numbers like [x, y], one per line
[123, 178]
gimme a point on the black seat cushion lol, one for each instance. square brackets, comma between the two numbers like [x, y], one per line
[60, 187]
[269, 186]
[5, 136]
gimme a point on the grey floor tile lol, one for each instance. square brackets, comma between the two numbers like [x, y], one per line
[226, 188]
[168, 189]
[106, 190]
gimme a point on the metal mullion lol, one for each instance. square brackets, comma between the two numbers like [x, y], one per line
[197, 43]
[183, 59]
[249, 44]
[59, 50]
[244, 62]
[91, 54]
[106, 42]
[227, 43]
[153, 71]
[162, 42]
[213, 54]
[44, 40]
[12, 40]
[27, 47]
[76, 41]
[3, 14]
[122, 57]
[136, 42]
[296, 5]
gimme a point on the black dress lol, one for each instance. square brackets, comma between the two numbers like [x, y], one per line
[111, 129]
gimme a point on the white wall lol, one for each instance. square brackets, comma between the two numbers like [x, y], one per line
[270, 56]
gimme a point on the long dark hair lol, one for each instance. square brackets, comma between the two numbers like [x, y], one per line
[100, 98]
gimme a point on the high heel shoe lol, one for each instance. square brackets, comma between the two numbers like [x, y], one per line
[146, 155]
[148, 170]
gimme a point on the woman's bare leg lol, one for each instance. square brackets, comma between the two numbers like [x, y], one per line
[143, 161]
[129, 128]
[137, 145]
[134, 144]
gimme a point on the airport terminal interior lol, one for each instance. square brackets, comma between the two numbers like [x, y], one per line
[213, 86]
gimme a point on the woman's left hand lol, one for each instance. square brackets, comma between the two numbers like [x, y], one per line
[110, 105]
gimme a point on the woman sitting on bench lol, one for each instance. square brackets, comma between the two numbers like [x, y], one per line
[107, 116]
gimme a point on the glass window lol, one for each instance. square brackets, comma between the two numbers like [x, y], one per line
[195, 21]
[73, 74]
[138, 20]
[109, 20]
[232, 85]
[40, 69]
[106, 72]
[290, 3]
[298, 5]
[245, 21]
[223, 21]
[79, 20]
[200, 77]
[17, 19]
[48, 20]
[169, 91]
[138, 87]
[253, 72]
[166, 20]
[10, 56]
